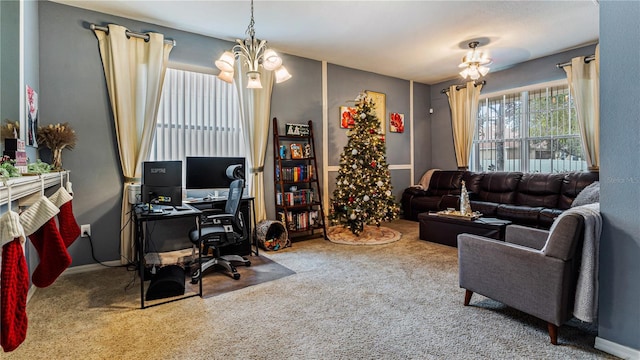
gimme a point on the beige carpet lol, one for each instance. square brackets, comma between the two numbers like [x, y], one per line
[370, 235]
[395, 301]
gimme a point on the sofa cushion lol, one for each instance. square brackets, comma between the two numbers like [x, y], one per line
[426, 178]
[485, 208]
[573, 183]
[519, 214]
[588, 195]
[547, 216]
[425, 203]
[538, 189]
[499, 187]
[445, 182]
[472, 181]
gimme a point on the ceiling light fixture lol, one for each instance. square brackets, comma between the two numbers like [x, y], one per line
[474, 63]
[255, 53]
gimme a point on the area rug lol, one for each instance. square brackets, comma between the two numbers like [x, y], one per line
[262, 270]
[371, 235]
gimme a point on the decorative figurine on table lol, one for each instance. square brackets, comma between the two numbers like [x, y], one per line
[465, 206]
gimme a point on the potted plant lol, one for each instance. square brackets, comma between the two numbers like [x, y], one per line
[57, 138]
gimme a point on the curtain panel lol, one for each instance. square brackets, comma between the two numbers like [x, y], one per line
[584, 83]
[255, 108]
[464, 109]
[134, 70]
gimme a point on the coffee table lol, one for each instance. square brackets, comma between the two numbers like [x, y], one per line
[445, 230]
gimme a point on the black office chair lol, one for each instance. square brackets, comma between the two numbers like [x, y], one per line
[217, 230]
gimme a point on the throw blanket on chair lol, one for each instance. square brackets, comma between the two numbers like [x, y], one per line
[585, 307]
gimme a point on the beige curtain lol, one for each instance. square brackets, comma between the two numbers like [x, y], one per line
[255, 109]
[584, 82]
[464, 110]
[134, 70]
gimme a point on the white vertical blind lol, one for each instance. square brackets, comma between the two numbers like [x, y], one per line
[198, 116]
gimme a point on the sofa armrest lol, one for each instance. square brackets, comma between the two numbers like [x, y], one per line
[526, 236]
[416, 191]
[518, 276]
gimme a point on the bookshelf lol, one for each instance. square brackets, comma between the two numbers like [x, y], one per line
[298, 199]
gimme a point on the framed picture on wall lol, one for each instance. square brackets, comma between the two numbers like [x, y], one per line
[31, 129]
[380, 102]
[396, 123]
[347, 117]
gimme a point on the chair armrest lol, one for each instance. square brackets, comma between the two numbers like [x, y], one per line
[515, 275]
[526, 236]
[220, 218]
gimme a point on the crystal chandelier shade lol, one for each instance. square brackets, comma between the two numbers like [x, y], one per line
[254, 53]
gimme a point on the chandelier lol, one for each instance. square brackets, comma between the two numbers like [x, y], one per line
[255, 54]
[474, 63]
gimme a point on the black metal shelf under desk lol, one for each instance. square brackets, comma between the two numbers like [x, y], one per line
[141, 219]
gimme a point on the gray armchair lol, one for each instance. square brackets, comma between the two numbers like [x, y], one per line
[525, 271]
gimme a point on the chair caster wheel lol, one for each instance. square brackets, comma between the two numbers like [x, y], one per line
[247, 264]
[195, 276]
[236, 276]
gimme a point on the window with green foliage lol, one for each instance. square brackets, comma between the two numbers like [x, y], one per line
[529, 131]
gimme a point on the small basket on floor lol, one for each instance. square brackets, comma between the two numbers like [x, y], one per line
[272, 235]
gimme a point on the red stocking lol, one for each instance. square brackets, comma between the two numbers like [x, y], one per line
[69, 229]
[54, 258]
[13, 304]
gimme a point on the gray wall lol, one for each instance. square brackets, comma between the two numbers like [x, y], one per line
[73, 89]
[528, 73]
[620, 173]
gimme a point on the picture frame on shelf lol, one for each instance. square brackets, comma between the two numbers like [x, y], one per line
[296, 151]
[297, 129]
[380, 102]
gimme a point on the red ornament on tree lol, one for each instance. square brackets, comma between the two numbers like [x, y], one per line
[373, 164]
[372, 131]
[350, 198]
[382, 138]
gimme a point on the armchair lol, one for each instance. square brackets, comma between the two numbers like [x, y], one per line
[215, 230]
[534, 271]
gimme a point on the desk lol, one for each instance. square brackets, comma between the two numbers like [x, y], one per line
[248, 210]
[141, 219]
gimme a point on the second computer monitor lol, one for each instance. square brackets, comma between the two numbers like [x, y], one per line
[209, 172]
[162, 182]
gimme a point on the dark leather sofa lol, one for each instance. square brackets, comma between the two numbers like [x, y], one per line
[531, 199]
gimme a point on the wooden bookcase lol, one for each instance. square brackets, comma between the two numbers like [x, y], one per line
[297, 191]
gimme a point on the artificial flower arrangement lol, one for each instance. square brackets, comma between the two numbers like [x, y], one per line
[57, 138]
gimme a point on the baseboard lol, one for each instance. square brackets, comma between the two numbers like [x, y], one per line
[618, 350]
[89, 267]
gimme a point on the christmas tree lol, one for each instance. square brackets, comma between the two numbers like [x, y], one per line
[363, 193]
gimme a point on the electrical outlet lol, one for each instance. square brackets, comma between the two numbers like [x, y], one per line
[85, 230]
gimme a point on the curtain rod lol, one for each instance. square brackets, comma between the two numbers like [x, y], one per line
[483, 82]
[586, 60]
[129, 33]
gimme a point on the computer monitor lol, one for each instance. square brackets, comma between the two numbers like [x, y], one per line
[210, 172]
[162, 182]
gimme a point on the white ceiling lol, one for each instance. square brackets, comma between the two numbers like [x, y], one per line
[415, 40]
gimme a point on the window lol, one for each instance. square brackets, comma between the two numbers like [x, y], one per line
[528, 131]
[199, 115]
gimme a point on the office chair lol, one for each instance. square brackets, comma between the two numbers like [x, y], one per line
[216, 230]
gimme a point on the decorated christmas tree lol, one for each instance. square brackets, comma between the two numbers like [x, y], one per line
[363, 186]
